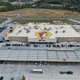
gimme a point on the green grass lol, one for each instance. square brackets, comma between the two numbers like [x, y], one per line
[27, 21]
[69, 22]
[78, 19]
[2, 20]
[39, 21]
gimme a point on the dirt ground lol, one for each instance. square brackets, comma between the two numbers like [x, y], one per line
[48, 13]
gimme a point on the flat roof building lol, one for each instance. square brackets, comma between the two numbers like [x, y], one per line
[43, 32]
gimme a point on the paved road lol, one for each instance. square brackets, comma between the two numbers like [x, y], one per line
[7, 21]
[41, 18]
[51, 72]
[7, 27]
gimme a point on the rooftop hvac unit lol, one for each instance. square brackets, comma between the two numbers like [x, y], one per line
[36, 27]
[61, 27]
[24, 28]
[56, 32]
[64, 31]
[19, 31]
[45, 28]
[49, 29]
[29, 27]
[27, 31]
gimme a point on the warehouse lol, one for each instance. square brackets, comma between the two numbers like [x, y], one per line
[43, 33]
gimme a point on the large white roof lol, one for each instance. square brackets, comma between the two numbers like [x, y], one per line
[55, 30]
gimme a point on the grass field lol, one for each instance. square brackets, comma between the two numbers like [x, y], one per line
[78, 19]
[69, 22]
[38, 21]
[2, 20]
[27, 21]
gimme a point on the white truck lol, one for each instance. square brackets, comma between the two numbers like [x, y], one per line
[37, 71]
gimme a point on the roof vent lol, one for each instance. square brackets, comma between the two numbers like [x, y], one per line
[63, 31]
[24, 28]
[35, 27]
[49, 28]
[45, 28]
[56, 32]
[61, 27]
[29, 27]
[19, 31]
[27, 31]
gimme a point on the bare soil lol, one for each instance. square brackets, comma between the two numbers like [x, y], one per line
[48, 13]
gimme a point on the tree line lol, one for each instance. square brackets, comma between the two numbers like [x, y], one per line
[59, 1]
[9, 7]
[73, 5]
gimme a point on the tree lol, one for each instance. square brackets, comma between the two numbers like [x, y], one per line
[23, 77]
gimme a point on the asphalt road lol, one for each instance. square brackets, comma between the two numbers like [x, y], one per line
[2, 34]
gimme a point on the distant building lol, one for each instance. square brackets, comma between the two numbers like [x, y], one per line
[22, 1]
[4, 0]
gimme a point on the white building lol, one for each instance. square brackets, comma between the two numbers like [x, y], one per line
[43, 32]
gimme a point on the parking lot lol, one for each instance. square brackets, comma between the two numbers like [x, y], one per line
[13, 44]
[4, 28]
[51, 72]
